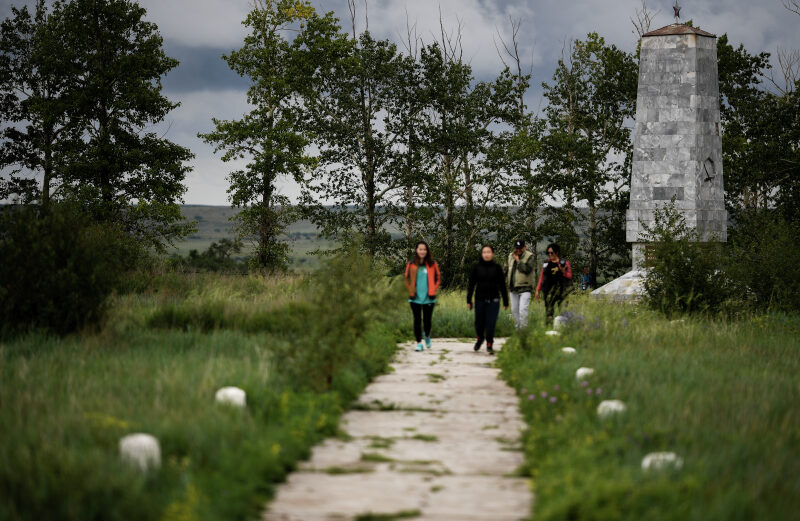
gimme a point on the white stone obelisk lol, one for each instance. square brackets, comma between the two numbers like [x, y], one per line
[677, 148]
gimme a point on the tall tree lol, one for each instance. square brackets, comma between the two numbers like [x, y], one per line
[348, 87]
[268, 135]
[584, 152]
[122, 171]
[37, 82]
[525, 189]
[81, 83]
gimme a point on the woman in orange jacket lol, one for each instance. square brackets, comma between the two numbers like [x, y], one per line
[422, 279]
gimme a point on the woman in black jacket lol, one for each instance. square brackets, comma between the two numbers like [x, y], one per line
[489, 283]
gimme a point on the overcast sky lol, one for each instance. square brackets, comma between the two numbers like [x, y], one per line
[198, 32]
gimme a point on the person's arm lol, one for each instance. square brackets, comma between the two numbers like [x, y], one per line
[407, 281]
[471, 287]
[539, 285]
[527, 266]
[501, 279]
[567, 270]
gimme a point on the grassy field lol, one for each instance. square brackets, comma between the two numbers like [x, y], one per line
[302, 348]
[722, 395]
[154, 367]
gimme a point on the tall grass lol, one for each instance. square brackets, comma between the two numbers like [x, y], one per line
[722, 395]
[451, 318]
[154, 367]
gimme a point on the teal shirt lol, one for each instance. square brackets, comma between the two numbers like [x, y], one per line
[422, 288]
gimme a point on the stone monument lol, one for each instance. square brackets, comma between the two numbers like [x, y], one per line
[677, 148]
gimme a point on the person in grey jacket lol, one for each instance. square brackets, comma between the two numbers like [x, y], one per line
[521, 278]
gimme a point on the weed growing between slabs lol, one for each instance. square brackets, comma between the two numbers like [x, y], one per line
[302, 349]
[722, 395]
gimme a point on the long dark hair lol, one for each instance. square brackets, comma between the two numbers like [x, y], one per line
[428, 260]
[555, 247]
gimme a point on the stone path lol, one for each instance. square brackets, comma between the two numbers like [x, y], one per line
[438, 439]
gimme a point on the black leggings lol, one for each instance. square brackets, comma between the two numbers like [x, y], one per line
[422, 313]
[486, 312]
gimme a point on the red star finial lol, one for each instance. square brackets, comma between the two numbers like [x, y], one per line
[677, 10]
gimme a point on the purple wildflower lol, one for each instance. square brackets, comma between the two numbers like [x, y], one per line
[556, 387]
[553, 399]
[589, 390]
[544, 394]
[599, 391]
[584, 383]
[531, 397]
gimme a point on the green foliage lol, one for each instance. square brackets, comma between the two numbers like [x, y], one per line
[218, 257]
[683, 274]
[348, 85]
[762, 261]
[350, 298]
[761, 133]
[82, 103]
[268, 135]
[684, 385]
[57, 268]
[591, 97]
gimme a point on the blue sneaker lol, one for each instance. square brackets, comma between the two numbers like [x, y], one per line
[428, 342]
[419, 347]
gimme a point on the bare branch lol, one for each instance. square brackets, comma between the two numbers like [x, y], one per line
[351, 6]
[792, 5]
[789, 65]
[411, 48]
[644, 18]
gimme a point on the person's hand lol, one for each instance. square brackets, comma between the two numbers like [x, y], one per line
[516, 256]
[469, 306]
[536, 297]
[505, 306]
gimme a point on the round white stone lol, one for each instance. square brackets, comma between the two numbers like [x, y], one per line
[610, 407]
[559, 322]
[232, 396]
[568, 350]
[661, 460]
[584, 372]
[551, 333]
[141, 450]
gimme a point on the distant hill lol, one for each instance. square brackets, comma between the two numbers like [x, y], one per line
[214, 223]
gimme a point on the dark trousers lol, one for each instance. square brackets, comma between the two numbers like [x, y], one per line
[556, 296]
[422, 313]
[486, 318]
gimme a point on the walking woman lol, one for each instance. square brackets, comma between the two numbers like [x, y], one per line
[555, 280]
[422, 279]
[489, 284]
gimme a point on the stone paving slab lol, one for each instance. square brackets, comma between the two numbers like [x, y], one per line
[440, 436]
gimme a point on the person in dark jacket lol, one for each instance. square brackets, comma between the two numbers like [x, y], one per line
[555, 281]
[488, 282]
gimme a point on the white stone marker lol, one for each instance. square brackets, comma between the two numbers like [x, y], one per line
[661, 460]
[559, 322]
[232, 396]
[568, 350]
[610, 407]
[551, 333]
[584, 372]
[141, 450]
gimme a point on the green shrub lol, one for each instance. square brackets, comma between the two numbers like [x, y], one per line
[763, 261]
[350, 298]
[683, 275]
[57, 268]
